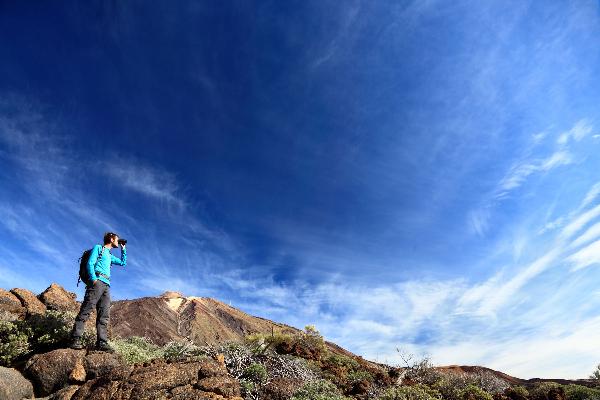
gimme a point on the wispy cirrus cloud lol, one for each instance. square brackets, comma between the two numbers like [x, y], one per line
[141, 178]
[523, 169]
[526, 169]
[66, 207]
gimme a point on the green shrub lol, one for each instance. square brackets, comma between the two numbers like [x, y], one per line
[319, 390]
[136, 349]
[578, 392]
[39, 332]
[308, 344]
[451, 385]
[13, 342]
[341, 361]
[359, 375]
[517, 392]
[540, 390]
[52, 327]
[260, 343]
[177, 351]
[311, 339]
[256, 373]
[248, 388]
[414, 392]
[473, 392]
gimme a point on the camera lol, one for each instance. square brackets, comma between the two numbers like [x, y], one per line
[122, 242]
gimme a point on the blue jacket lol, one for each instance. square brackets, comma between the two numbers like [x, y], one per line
[104, 263]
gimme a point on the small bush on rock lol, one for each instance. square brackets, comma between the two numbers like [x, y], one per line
[256, 373]
[178, 351]
[319, 390]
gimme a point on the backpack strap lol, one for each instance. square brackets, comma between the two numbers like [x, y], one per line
[99, 256]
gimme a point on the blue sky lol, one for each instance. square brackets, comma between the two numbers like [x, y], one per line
[414, 175]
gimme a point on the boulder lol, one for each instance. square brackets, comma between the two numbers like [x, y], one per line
[11, 304]
[57, 298]
[29, 301]
[184, 380]
[13, 386]
[51, 371]
[99, 364]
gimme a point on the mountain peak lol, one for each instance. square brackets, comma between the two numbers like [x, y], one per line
[171, 295]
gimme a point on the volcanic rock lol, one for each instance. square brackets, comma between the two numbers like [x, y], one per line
[13, 386]
[160, 379]
[51, 371]
[280, 388]
[64, 393]
[11, 304]
[99, 364]
[57, 298]
[29, 301]
[224, 385]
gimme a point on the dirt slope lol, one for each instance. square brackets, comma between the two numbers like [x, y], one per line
[172, 316]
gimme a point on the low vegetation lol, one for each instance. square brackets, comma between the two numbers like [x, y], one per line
[320, 374]
[36, 334]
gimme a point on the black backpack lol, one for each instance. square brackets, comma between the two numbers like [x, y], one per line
[83, 271]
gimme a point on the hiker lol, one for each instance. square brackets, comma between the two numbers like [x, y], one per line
[97, 292]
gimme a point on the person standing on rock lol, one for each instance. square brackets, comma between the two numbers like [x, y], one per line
[97, 294]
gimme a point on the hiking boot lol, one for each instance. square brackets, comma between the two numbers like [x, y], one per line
[104, 346]
[76, 344]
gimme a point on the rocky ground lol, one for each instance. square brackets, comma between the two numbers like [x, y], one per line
[276, 361]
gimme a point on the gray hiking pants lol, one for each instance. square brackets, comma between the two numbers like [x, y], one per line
[96, 296]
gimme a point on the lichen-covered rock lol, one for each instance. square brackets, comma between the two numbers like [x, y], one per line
[57, 298]
[204, 379]
[29, 301]
[50, 371]
[11, 304]
[13, 386]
